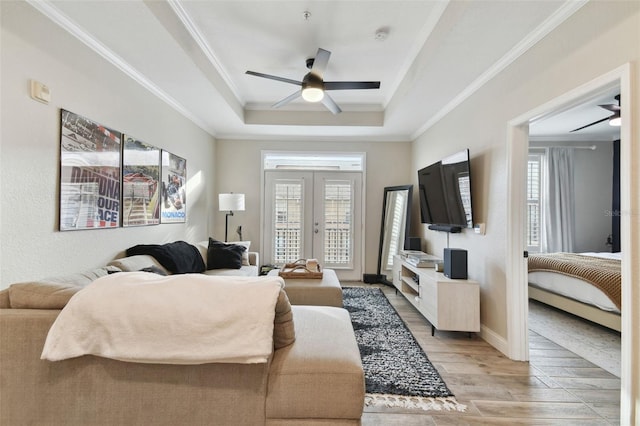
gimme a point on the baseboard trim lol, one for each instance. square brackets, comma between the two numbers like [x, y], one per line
[494, 339]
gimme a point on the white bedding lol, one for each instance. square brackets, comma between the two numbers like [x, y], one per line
[178, 319]
[575, 288]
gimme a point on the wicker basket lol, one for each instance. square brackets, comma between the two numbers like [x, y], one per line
[299, 269]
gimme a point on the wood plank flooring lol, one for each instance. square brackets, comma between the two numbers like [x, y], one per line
[555, 387]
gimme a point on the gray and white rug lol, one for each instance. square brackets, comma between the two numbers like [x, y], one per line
[592, 342]
[397, 371]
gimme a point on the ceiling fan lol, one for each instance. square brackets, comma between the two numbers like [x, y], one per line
[313, 87]
[614, 119]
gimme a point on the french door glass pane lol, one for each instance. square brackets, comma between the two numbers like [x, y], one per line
[338, 226]
[288, 222]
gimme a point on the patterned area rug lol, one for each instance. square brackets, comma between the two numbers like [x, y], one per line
[397, 371]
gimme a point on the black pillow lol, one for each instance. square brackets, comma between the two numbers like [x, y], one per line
[224, 256]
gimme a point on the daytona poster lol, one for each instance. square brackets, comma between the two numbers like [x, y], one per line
[89, 174]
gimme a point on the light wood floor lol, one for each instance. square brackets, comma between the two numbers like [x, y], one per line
[556, 387]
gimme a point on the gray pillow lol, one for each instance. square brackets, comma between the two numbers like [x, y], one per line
[55, 292]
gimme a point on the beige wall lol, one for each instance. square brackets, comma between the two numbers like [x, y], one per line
[598, 38]
[32, 247]
[239, 167]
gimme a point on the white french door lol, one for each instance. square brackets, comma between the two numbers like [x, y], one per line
[314, 214]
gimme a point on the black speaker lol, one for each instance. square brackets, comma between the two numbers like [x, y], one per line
[371, 278]
[413, 243]
[455, 263]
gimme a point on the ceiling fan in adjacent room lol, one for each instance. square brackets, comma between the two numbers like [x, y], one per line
[614, 119]
[313, 87]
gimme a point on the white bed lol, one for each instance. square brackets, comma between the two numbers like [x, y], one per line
[575, 295]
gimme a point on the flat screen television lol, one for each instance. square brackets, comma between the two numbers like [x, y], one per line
[445, 193]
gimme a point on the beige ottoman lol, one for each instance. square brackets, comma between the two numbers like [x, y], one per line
[312, 291]
[320, 376]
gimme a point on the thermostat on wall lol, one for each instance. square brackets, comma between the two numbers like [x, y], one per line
[40, 92]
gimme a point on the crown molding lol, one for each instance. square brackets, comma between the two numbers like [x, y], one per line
[63, 21]
[201, 41]
[562, 14]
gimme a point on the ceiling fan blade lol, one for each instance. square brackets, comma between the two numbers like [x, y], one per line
[351, 85]
[611, 107]
[320, 62]
[274, 77]
[591, 124]
[331, 104]
[288, 99]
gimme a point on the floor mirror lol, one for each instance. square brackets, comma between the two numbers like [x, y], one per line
[396, 219]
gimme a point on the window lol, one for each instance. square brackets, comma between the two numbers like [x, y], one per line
[534, 204]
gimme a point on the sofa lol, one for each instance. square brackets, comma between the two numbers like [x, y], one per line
[316, 379]
[144, 261]
[248, 265]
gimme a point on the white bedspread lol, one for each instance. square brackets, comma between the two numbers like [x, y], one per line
[179, 319]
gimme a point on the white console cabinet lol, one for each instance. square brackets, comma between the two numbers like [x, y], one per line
[452, 305]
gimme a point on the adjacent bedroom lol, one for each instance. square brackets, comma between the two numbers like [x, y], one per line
[573, 229]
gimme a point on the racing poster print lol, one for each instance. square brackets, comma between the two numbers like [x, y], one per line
[89, 174]
[174, 183]
[140, 183]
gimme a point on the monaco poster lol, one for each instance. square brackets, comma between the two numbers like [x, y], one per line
[89, 174]
[174, 182]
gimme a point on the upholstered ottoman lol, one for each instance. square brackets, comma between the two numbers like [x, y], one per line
[313, 291]
[320, 376]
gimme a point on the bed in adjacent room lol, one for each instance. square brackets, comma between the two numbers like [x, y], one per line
[585, 284]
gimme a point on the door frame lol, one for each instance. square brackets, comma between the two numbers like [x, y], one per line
[516, 270]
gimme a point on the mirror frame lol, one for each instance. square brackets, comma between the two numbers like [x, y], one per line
[383, 278]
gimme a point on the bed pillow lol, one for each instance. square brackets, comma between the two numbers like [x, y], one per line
[224, 256]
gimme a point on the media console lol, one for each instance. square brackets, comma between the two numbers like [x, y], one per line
[448, 304]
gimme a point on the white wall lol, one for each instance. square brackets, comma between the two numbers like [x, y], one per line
[598, 38]
[239, 165]
[32, 247]
[593, 181]
[593, 176]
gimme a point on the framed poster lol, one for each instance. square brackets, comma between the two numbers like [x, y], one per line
[89, 174]
[174, 183]
[140, 183]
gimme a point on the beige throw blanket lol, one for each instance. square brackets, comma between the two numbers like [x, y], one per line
[179, 319]
[602, 273]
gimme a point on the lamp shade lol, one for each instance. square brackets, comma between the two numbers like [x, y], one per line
[231, 202]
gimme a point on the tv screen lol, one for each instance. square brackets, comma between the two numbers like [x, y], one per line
[445, 192]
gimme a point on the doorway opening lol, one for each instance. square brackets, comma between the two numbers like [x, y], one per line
[516, 273]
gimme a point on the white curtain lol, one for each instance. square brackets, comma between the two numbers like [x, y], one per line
[559, 204]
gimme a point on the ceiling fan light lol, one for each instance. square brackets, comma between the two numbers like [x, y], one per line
[312, 94]
[615, 121]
